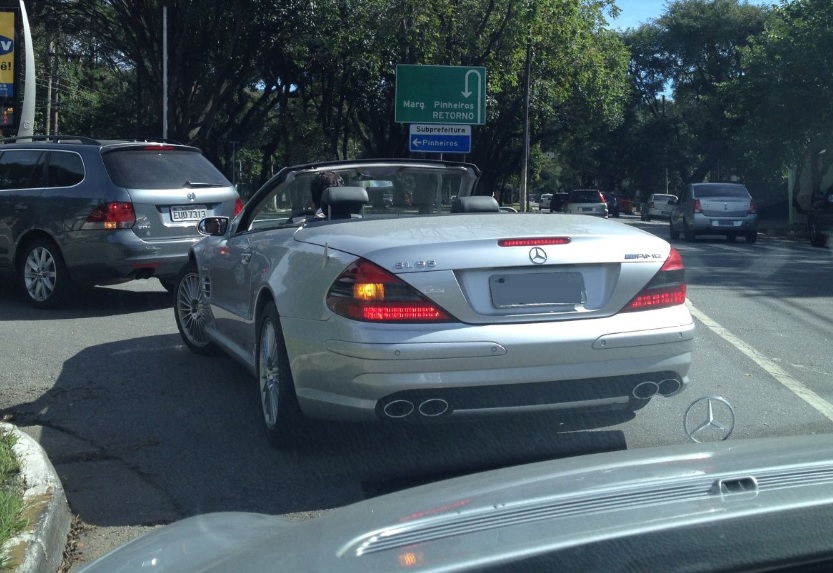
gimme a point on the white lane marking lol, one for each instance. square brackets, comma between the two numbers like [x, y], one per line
[793, 385]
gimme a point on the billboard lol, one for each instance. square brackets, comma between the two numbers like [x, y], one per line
[7, 53]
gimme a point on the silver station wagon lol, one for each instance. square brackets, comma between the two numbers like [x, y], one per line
[715, 209]
[79, 211]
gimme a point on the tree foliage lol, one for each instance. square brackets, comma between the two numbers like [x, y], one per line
[302, 81]
[787, 88]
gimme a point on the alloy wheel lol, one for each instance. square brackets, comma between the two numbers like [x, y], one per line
[40, 274]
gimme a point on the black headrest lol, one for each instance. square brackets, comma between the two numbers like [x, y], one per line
[343, 202]
[475, 204]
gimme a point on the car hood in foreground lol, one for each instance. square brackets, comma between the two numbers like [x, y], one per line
[694, 507]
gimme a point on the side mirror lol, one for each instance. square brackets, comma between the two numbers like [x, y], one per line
[214, 226]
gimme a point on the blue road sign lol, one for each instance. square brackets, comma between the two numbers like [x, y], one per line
[429, 138]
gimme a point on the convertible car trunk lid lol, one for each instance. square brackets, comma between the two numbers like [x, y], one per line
[518, 266]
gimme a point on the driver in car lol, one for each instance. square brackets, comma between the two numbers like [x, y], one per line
[322, 181]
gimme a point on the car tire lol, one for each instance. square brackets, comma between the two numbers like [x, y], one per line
[191, 311]
[752, 238]
[43, 276]
[817, 239]
[278, 404]
[674, 233]
[688, 234]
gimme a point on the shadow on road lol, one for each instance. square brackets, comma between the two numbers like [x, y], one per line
[86, 302]
[143, 431]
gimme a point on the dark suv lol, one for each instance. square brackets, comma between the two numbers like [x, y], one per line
[74, 210]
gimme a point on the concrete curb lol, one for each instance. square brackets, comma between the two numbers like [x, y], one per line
[40, 547]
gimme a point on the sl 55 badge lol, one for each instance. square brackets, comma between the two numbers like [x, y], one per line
[415, 265]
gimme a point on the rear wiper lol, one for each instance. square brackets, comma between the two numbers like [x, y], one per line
[202, 184]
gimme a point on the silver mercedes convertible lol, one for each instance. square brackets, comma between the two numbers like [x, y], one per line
[428, 302]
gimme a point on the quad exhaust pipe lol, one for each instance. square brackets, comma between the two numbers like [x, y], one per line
[430, 408]
[648, 389]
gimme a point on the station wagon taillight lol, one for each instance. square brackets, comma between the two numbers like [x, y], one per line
[697, 208]
[367, 292]
[238, 206]
[666, 288]
[753, 208]
[111, 216]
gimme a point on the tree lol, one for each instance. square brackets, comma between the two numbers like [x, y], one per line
[695, 49]
[787, 86]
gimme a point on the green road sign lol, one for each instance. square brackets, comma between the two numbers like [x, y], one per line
[440, 94]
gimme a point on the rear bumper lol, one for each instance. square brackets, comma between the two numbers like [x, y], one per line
[101, 258]
[706, 225]
[521, 367]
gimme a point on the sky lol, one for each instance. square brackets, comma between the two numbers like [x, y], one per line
[636, 12]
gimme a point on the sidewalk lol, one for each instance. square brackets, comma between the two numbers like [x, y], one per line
[40, 547]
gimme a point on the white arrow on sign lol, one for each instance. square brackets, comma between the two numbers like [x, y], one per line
[467, 92]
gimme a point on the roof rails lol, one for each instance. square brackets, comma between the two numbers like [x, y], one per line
[51, 138]
[81, 139]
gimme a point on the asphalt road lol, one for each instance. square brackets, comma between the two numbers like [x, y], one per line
[143, 432]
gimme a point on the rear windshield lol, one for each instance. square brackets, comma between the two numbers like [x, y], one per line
[733, 191]
[154, 169]
[585, 197]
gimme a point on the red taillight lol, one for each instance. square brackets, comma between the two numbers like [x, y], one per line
[367, 292]
[697, 208]
[159, 148]
[667, 288]
[753, 208]
[115, 215]
[238, 206]
[533, 242]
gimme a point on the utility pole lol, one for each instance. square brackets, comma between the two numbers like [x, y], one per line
[49, 88]
[524, 198]
[165, 71]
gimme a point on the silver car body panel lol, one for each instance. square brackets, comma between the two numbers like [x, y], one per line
[343, 368]
[745, 505]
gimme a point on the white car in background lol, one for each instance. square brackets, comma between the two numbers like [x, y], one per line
[658, 206]
[587, 202]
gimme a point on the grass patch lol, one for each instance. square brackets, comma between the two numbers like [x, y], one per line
[11, 490]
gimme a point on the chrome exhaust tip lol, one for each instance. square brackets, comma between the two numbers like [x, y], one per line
[670, 386]
[433, 407]
[398, 409]
[645, 390]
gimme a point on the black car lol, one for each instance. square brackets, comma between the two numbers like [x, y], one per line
[78, 211]
[820, 220]
[558, 201]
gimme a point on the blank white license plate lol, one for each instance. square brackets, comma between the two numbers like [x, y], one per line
[193, 213]
[532, 289]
